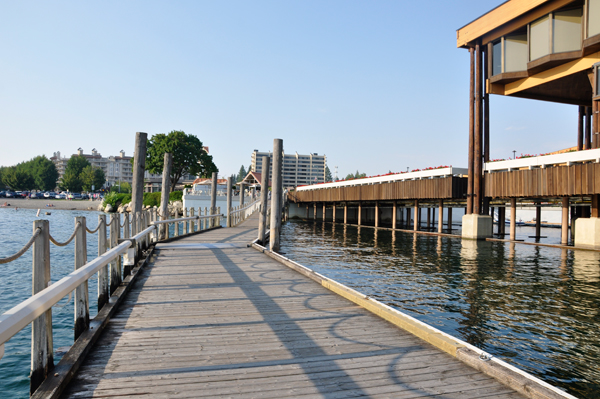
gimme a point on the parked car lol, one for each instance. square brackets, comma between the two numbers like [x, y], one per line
[24, 194]
[2, 194]
[84, 196]
[61, 196]
[48, 194]
[11, 194]
[37, 195]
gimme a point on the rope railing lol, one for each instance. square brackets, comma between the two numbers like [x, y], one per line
[95, 230]
[62, 244]
[22, 250]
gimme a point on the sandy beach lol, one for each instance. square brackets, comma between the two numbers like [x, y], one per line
[26, 203]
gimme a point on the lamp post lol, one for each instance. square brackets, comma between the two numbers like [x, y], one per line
[514, 154]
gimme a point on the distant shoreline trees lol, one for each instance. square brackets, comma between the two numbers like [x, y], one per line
[38, 173]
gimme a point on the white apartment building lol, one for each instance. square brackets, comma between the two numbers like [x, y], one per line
[116, 168]
[298, 170]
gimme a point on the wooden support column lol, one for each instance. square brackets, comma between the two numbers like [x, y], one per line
[428, 218]
[407, 224]
[471, 152]
[394, 215]
[42, 352]
[595, 204]
[450, 220]
[564, 227]
[502, 220]
[513, 219]
[345, 213]
[580, 127]
[487, 71]
[82, 303]
[261, 220]
[432, 219]
[315, 211]
[164, 196]
[538, 220]
[589, 138]
[376, 213]
[324, 211]
[478, 133]
[359, 214]
[137, 186]
[213, 198]
[334, 212]
[241, 195]
[264, 199]
[417, 216]
[441, 216]
[277, 190]
[115, 265]
[102, 273]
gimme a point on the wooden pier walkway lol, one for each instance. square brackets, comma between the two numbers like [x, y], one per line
[210, 317]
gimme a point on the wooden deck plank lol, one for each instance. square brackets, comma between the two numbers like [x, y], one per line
[231, 322]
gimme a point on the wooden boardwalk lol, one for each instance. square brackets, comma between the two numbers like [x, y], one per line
[210, 317]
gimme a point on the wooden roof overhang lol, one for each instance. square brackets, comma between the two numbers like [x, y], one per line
[563, 77]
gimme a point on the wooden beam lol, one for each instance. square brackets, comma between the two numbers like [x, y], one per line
[478, 133]
[552, 74]
[471, 131]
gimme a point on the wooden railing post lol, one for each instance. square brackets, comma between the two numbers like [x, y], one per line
[42, 358]
[115, 265]
[219, 217]
[176, 224]
[213, 199]
[103, 273]
[186, 224]
[192, 223]
[229, 195]
[82, 306]
[205, 222]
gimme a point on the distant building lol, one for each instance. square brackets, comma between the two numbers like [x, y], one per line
[298, 170]
[116, 168]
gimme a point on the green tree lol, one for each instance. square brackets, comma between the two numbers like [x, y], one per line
[189, 157]
[241, 174]
[76, 164]
[70, 181]
[328, 174]
[17, 178]
[91, 176]
[44, 172]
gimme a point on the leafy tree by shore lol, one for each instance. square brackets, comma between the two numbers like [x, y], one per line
[37, 173]
[357, 175]
[328, 174]
[189, 156]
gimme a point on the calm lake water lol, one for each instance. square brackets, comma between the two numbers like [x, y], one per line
[535, 307]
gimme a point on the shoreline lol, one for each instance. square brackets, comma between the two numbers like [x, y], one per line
[68, 205]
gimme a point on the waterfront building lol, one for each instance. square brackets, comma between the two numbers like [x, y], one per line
[545, 50]
[298, 170]
[116, 168]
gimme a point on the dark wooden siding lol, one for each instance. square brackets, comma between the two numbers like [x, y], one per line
[559, 181]
[440, 188]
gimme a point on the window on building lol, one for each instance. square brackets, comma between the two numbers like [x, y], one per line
[515, 52]
[539, 38]
[593, 18]
[567, 30]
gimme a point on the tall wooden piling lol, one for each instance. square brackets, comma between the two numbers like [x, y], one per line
[359, 217]
[213, 199]
[345, 213]
[334, 212]
[440, 216]
[376, 213]
[417, 216]
[513, 219]
[229, 194]
[82, 307]
[471, 153]
[103, 293]
[264, 199]
[538, 220]
[242, 188]
[137, 186]
[164, 197]
[394, 215]
[564, 227]
[324, 211]
[449, 220]
[502, 220]
[276, 191]
[42, 352]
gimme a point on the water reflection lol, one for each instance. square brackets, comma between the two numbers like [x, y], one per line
[536, 307]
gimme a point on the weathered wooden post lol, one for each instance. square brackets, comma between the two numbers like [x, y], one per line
[276, 190]
[186, 224]
[345, 213]
[176, 224]
[115, 265]
[441, 216]
[334, 212]
[538, 220]
[103, 273]
[513, 219]
[164, 198]
[394, 215]
[241, 194]
[219, 216]
[417, 216]
[324, 211]
[359, 217]
[450, 220]
[502, 220]
[229, 193]
[376, 213]
[137, 186]
[82, 306]
[206, 221]
[213, 199]
[564, 231]
[42, 352]
[192, 222]
[264, 199]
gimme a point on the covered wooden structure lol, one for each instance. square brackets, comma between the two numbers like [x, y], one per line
[541, 50]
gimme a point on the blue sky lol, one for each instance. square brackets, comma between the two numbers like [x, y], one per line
[374, 85]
